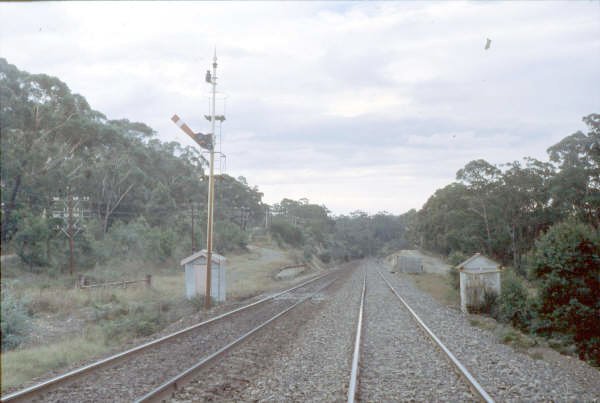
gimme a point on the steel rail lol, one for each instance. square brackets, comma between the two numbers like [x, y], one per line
[167, 389]
[356, 355]
[43, 387]
[462, 370]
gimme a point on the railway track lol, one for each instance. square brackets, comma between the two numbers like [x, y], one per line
[302, 357]
[250, 375]
[395, 373]
[391, 359]
[164, 364]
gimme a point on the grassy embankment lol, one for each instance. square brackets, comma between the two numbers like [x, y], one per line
[67, 325]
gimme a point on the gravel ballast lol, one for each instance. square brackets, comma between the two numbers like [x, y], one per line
[304, 356]
[135, 376]
[506, 374]
[399, 362]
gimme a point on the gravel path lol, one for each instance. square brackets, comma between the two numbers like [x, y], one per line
[136, 376]
[398, 361]
[506, 374]
[304, 356]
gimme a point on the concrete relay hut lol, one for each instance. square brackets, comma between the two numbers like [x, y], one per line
[195, 275]
[478, 275]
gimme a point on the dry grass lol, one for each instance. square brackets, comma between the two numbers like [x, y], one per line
[438, 286]
[254, 272]
[91, 320]
[21, 366]
[70, 324]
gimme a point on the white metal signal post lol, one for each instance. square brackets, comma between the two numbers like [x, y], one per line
[211, 182]
[207, 141]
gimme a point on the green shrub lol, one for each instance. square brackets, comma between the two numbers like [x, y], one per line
[285, 232]
[486, 302]
[129, 240]
[138, 322]
[566, 265]
[308, 251]
[229, 236]
[31, 241]
[513, 304]
[136, 240]
[454, 275]
[14, 322]
[325, 257]
[456, 257]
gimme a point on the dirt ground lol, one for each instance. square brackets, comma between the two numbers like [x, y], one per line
[255, 272]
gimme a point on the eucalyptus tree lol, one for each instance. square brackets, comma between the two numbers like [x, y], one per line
[481, 179]
[525, 205]
[576, 186]
[448, 223]
[41, 134]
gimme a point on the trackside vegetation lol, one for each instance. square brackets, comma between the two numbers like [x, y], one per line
[539, 218]
[135, 197]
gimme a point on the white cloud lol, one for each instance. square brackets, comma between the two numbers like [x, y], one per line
[354, 105]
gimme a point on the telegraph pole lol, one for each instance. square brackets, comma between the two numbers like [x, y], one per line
[71, 225]
[207, 141]
[70, 231]
[211, 186]
[267, 217]
[193, 238]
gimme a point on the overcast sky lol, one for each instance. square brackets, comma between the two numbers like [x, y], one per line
[369, 106]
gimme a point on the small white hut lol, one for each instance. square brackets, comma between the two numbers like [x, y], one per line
[478, 275]
[195, 275]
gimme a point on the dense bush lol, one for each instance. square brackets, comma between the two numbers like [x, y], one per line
[136, 240]
[31, 241]
[229, 236]
[133, 239]
[325, 257]
[139, 323]
[121, 320]
[513, 306]
[456, 257]
[486, 300]
[566, 265]
[285, 232]
[454, 275]
[14, 321]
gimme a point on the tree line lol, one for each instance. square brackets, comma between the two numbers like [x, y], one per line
[135, 194]
[138, 198]
[337, 238]
[539, 218]
[502, 210]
